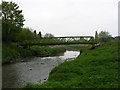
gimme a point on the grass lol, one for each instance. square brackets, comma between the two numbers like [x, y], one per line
[10, 52]
[47, 51]
[96, 68]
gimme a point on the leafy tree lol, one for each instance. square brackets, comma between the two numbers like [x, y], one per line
[49, 35]
[26, 34]
[104, 36]
[12, 20]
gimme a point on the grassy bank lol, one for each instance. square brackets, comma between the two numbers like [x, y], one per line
[11, 52]
[96, 68]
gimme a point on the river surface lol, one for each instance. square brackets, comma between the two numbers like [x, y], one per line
[33, 69]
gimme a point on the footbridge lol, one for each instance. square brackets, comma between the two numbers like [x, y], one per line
[67, 40]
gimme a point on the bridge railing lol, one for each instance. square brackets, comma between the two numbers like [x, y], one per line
[60, 40]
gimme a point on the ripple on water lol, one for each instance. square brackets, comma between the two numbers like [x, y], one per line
[34, 70]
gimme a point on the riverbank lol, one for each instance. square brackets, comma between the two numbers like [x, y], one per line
[96, 68]
[33, 69]
[10, 52]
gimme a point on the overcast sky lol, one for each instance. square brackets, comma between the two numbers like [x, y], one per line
[70, 17]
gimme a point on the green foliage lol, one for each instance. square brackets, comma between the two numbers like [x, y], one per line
[52, 84]
[10, 52]
[105, 36]
[30, 85]
[77, 47]
[26, 34]
[12, 23]
[12, 20]
[46, 51]
[96, 68]
[11, 14]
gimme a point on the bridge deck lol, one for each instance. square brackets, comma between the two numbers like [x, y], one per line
[44, 44]
[73, 37]
[60, 41]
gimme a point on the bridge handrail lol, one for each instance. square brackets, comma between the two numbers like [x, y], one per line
[72, 37]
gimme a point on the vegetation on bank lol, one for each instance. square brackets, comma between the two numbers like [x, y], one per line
[96, 68]
[78, 47]
[11, 52]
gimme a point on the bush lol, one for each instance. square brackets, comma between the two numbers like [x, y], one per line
[9, 54]
[105, 36]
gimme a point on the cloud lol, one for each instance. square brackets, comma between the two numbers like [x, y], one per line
[70, 17]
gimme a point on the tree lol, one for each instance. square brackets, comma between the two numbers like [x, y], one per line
[12, 20]
[96, 35]
[35, 31]
[40, 35]
[104, 36]
[26, 34]
[49, 35]
[97, 39]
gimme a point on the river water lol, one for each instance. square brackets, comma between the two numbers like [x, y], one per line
[33, 69]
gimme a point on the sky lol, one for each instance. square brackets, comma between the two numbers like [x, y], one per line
[70, 17]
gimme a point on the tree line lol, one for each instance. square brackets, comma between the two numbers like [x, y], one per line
[13, 22]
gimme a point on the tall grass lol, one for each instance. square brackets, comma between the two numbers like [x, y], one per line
[11, 52]
[47, 51]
